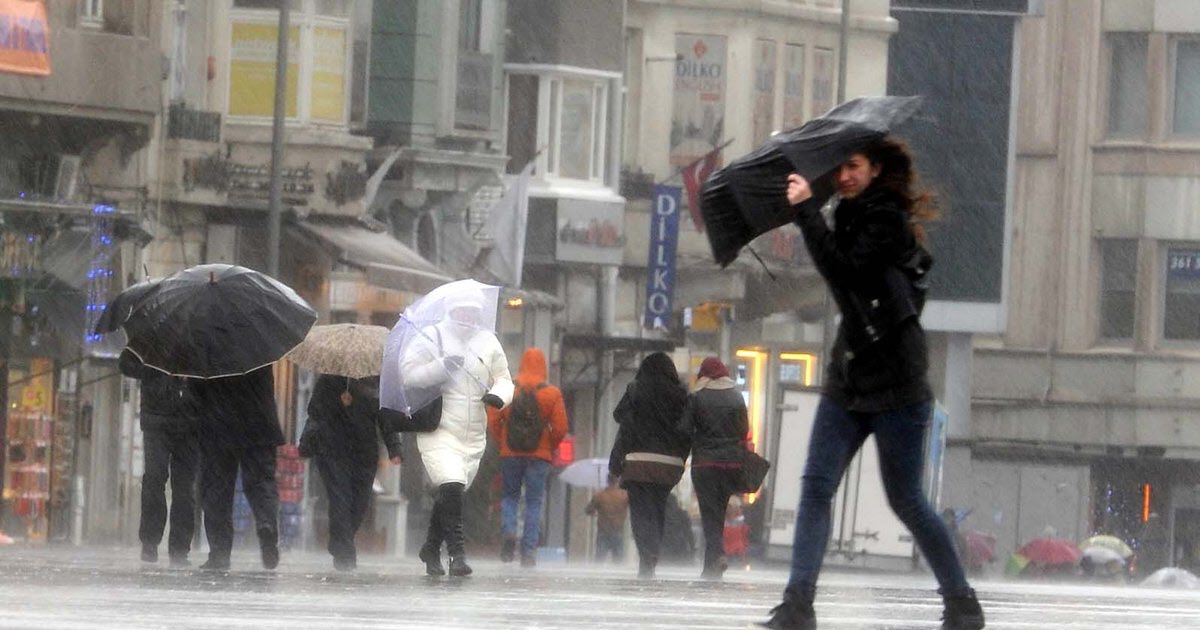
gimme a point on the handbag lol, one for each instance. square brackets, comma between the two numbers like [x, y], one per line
[752, 472]
[427, 419]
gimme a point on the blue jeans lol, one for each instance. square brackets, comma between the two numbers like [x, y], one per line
[529, 472]
[837, 435]
[610, 542]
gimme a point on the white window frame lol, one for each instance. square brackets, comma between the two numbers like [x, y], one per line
[91, 13]
[549, 123]
[304, 18]
[1172, 87]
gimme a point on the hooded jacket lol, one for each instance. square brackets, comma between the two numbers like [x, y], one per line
[451, 453]
[717, 421]
[337, 430]
[649, 445]
[533, 373]
[875, 269]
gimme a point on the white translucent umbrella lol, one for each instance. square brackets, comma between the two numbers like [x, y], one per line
[1172, 577]
[418, 331]
[587, 473]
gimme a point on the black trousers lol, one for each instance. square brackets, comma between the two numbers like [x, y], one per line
[348, 484]
[647, 513]
[221, 464]
[713, 487]
[173, 455]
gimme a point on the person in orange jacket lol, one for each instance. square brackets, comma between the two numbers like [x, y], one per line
[528, 430]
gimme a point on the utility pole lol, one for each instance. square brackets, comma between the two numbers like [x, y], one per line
[275, 216]
[831, 312]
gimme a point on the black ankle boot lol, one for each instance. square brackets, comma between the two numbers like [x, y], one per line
[268, 544]
[962, 611]
[796, 612]
[432, 557]
[459, 566]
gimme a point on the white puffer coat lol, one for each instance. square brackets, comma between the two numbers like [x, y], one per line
[451, 454]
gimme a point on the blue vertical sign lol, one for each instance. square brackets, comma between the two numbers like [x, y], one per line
[660, 265]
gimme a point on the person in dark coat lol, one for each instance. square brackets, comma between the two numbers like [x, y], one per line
[340, 433]
[871, 255]
[649, 451]
[718, 424]
[239, 429]
[171, 452]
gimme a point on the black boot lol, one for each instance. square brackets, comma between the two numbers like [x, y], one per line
[796, 612]
[451, 497]
[508, 550]
[962, 611]
[149, 552]
[268, 544]
[431, 551]
[646, 566]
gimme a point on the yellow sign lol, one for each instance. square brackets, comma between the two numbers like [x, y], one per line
[24, 37]
[37, 395]
[329, 74]
[252, 69]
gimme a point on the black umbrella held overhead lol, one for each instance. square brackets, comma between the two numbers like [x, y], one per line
[749, 196]
[121, 307]
[211, 321]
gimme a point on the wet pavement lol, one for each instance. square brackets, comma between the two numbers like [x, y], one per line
[62, 587]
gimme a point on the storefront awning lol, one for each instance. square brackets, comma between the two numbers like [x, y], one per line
[387, 262]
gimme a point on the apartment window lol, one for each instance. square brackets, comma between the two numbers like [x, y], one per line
[91, 13]
[565, 113]
[1127, 85]
[470, 25]
[1181, 312]
[318, 60]
[1118, 287]
[1187, 88]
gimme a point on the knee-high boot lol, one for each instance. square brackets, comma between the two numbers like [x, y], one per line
[451, 497]
[431, 551]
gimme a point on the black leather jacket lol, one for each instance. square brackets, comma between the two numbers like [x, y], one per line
[876, 271]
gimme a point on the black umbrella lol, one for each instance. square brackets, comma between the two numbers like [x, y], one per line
[118, 310]
[211, 321]
[748, 197]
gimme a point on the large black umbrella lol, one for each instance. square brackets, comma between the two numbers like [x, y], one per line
[211, 321]
[748, 197]
[118, 310]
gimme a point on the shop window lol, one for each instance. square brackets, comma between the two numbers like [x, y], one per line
[1127, 84]
[1118, 287]
[1187, 88]
[1181, 309]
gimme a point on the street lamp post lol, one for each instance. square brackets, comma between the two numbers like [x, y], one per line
[275, 216]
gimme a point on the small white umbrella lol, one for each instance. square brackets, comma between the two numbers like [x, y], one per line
[587, 473]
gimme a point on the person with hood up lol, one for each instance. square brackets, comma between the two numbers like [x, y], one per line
[718, 424]
[467, 362]
[649, 451]
[239, 429]
[171, 451]
[870, 253]
[536, 418]
[343, 419]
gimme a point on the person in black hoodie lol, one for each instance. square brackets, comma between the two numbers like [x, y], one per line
[718, 424]
[343, 419]
[171, 452]
[871, 256]
[649, 451]
[239, 428]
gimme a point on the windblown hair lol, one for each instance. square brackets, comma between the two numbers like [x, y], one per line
[896, 175]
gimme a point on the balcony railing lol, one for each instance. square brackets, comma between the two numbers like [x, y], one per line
[184, 123]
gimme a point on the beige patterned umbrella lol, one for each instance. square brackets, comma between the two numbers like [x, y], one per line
[349, 350]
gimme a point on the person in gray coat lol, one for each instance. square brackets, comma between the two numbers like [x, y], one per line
[716, 420]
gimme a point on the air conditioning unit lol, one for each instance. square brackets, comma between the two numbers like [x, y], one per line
[66, 183]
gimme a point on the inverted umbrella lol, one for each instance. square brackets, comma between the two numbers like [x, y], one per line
[121, 307]
[349, 350]
[748, 197]
[418, 338]
[211, 321]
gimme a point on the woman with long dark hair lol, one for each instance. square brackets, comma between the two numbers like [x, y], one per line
[870, 252]
[649, 451]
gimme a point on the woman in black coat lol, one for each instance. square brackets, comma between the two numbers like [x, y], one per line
[871, 255]
[650, 451]
[718, 426]
[343, 420]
